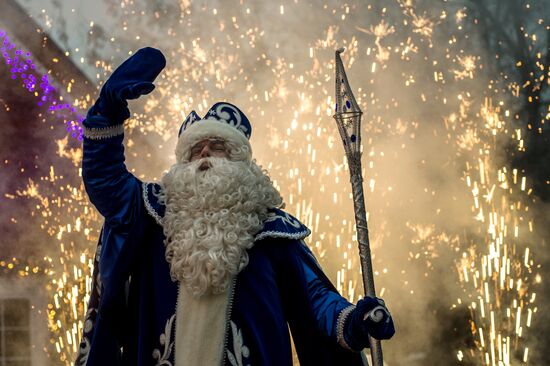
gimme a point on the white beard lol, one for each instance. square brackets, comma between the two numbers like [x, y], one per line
[211, 219]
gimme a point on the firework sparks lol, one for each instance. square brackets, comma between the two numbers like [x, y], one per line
[286, 85]
[497, 266]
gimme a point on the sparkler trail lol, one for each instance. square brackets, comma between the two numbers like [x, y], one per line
[440, 193]
[21, 66]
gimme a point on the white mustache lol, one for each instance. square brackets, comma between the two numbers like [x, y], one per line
[206, 242]
[204, 164]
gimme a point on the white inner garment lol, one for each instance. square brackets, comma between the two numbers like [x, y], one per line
[200, 328]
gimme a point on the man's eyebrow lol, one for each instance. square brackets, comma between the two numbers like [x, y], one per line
[217, 140]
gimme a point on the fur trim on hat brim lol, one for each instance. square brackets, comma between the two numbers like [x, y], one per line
[205, 129]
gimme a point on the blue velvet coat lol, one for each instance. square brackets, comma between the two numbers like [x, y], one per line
[131, 312]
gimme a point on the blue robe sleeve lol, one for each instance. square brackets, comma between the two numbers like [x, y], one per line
[117, 195]
[314, 309]
[111, 187]
[326, 303]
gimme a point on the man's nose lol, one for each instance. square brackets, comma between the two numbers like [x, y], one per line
[205, 152]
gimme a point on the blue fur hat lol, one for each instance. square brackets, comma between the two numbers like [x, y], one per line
[223, 120]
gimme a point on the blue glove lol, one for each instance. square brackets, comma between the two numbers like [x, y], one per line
[129, 81]
[363, 322]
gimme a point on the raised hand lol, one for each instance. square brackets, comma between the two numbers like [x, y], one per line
[133, 78]
[370, 317]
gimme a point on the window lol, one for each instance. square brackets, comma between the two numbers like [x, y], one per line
[15, 349]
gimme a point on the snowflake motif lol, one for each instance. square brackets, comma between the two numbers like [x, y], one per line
[165, 340]
[240, 351]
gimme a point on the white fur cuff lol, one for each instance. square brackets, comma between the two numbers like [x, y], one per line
[101, 133]
[340, 326]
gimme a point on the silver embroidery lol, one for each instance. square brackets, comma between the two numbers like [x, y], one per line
[148, 206]
[278, 234]
[286, 218]
[165, 340]
[239, 349]
[340, 326]
[84, 347]
[103, 132]
[83, 352]
[97, 283]
[225, 117]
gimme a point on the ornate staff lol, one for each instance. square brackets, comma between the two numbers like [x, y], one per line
[348, 119]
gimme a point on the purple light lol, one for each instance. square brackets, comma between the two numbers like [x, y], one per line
[23, 67]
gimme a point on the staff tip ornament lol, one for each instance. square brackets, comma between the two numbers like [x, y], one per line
[347, 112]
